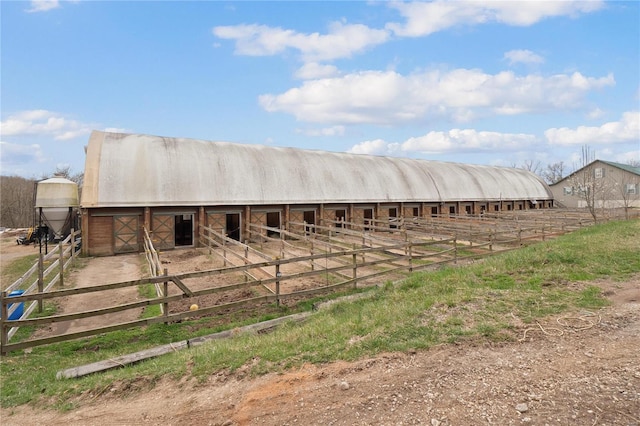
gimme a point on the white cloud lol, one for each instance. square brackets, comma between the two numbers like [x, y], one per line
[624, 131]
[43, 5]
[16, 155]
[469, 140]
[386, 97]
[595, 113]
[314, 70]
[523, 56]
[628, 157]
[424, 18]
[377, 146]
[341, 41]
[327, 131]
[43, 122]
[454, 140]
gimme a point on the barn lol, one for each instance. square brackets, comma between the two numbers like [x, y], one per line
[173, 186]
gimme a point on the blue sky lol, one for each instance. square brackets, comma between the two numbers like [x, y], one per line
[499, 83]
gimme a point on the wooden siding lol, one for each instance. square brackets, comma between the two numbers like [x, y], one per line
[100, 236]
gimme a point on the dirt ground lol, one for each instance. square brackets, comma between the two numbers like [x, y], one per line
[578, 370]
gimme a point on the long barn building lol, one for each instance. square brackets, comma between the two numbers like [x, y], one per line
[172, 186]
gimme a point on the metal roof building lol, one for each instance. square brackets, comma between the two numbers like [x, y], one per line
[144, 176]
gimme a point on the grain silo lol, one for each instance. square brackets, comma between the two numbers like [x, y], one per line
[56, 203]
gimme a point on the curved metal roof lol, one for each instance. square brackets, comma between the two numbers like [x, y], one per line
[142, 170]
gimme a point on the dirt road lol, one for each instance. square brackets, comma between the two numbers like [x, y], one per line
[583, 370]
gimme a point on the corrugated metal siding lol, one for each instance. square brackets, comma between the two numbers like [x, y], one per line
[143, 170]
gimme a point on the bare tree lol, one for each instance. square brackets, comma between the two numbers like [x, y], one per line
[586, 184]
[65, 172]
[17, 202]
[534, 166]
[553, 172]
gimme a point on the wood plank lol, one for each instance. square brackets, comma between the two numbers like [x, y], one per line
[120, 361]
[135, 357]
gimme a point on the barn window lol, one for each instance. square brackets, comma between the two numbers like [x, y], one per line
[416, 212]
[452, 210]
[598, 173]
[496, 207]
[632, 188]
[467, 209]
[567, 190]
[434, 211]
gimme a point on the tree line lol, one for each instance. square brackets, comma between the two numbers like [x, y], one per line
[17, 209]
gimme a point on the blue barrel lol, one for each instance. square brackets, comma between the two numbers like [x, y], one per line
[15, 315]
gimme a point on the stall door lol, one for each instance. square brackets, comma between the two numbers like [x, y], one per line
[162, 231]
[125, 234]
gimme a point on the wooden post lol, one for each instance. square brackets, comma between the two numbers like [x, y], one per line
[410, 259]
[224, 249]
[543, 232]
[281, 244]
[355, 270]
[278, 275]
[4, 313]
[61, 260]
[40, 281]
[73, 245]
[455, 250]
[165, 304]
[519, 234]
[246, 260]
[406, 240]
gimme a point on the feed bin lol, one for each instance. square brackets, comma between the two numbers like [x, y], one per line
[56, 198]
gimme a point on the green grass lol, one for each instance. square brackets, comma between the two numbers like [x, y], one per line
[17, 268]
[453, 304]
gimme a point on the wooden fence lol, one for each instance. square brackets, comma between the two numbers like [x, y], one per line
[349, 253]
[46, 272]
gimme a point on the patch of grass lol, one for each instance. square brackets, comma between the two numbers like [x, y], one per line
[16, 269]
[148, 291]
[451, 304]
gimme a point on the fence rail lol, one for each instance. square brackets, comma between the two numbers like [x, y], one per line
[36, 280]
[277, 260]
